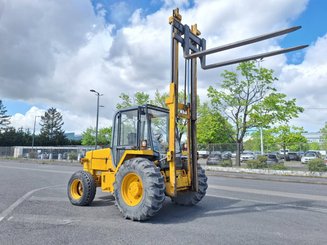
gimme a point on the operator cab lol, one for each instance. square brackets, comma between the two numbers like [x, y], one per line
[140, 128]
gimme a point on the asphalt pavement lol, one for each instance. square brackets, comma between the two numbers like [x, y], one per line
[34, 209]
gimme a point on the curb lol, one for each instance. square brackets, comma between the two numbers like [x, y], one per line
[266, 171]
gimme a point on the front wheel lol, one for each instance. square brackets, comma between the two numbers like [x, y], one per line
[189, 198]
[139, 189]
[81, 188]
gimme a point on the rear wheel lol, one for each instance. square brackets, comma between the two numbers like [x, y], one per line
[189, 198]
[81, 188]
[139, 189]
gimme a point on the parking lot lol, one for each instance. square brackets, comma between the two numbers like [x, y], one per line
[34, 209]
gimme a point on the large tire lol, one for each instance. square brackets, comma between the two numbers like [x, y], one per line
[81, 188]
[190, 198]
[139, 189]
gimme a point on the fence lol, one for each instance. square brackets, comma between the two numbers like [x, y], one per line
[267, 148]
[46, 152]
[7, 151]
[75, 152]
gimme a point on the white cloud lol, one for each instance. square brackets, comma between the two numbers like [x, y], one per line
[26, 121]
[307, 82]
[72, 122]
[53, 52]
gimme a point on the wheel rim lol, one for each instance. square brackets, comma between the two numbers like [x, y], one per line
[76, 189]
[132, 189]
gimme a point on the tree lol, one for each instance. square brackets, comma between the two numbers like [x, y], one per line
[212, 127]
[12, 137]
[159, 99]
[4, 119]
[51, 128]
[323, 137]
[254, 143]
[289, 137]
[139, 98]
[314, 146]
[104, 136]
[249, 100]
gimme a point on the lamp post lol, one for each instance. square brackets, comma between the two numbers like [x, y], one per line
[261, 141]
[97, 119]
[33, 137]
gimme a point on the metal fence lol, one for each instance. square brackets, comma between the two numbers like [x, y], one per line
[267, 148]
[6, 151]
[75, 152]
[45, 152]
[217, 147]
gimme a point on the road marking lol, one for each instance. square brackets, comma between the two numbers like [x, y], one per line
[270, 193]
[43, 219]
[38, 170]
[306, 208]
[7, 211]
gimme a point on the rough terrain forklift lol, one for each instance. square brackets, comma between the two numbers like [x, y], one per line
[146, 161]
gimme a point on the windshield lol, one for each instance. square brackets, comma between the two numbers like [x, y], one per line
[159, 130]
[310, 154]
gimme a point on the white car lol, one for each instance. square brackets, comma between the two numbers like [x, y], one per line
[308, 156]
[247, 155]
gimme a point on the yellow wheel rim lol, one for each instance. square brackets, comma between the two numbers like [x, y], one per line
[132, 189]
[76, 189]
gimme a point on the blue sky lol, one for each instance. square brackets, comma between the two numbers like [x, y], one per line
[94, 44]
[312, 21]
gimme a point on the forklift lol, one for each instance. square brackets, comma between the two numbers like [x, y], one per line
[146, 161]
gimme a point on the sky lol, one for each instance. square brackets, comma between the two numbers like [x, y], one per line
[54, 51]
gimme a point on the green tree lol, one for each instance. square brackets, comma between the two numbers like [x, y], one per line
[139, 98]
[323, 137]
[254, 143]
[289, 137]
[159, 99]
[104, 136]
[88, 136]
[249, 100]
[51, 128]
[314, 146]
[4, 119]
[212, 127]
[12, 137]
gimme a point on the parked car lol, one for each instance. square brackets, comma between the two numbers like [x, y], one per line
[293, 156]
[283, 153]
[272, 158]
[203, 154]
[309, 155]
[214, 159]
[301, 153]
[247, 155]
[227, 155]
[316, 152]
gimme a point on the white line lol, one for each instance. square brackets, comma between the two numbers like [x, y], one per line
[322, 210]
[270, 193]
[7, 211]
[38, 170]
[43, 219]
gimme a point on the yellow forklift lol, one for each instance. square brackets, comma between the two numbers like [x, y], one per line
[146, 161]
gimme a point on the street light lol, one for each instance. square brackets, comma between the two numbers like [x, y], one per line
[34, 133]
[97, 121]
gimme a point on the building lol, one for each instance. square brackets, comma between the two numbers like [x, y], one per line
[313, 137]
